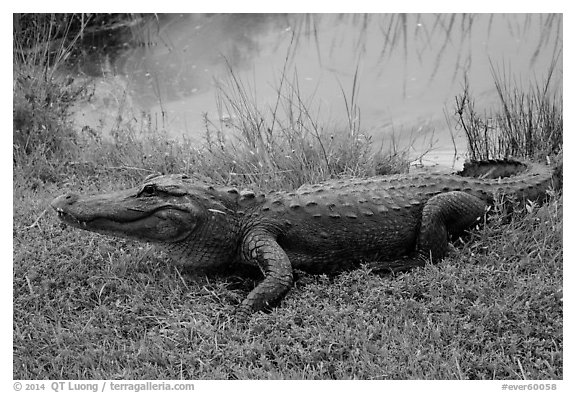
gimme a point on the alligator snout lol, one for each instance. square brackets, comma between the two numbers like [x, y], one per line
[65, 206]
[63, 201]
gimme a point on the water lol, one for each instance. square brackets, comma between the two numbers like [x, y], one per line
[408, 68]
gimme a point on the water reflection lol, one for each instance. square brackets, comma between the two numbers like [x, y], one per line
[409, 67]
[178, 56]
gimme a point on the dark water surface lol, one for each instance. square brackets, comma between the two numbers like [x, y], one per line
[408, 68]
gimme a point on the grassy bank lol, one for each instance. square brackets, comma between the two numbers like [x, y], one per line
[89, 307]
[92, 307]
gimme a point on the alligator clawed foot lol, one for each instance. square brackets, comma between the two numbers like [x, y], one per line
[241, 315]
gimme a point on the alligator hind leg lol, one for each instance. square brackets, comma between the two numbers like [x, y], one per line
[445, 215]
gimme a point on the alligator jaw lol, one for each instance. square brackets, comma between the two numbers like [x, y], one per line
[69, 218]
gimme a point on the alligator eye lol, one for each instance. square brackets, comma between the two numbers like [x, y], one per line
[148, 190]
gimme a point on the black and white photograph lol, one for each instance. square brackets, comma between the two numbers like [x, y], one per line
[287, 196]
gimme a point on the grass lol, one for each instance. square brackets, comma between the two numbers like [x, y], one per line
[284, 146]
[92, 307]
[528, 123]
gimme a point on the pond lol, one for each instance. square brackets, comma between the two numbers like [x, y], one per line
[405, 70]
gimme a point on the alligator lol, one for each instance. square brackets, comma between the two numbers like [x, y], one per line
[397, 222]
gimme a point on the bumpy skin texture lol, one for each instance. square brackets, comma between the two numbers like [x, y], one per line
[393, 222]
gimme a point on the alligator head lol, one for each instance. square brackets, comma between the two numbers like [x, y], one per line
[165, 209]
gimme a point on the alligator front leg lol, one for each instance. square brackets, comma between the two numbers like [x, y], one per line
[260, 247]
